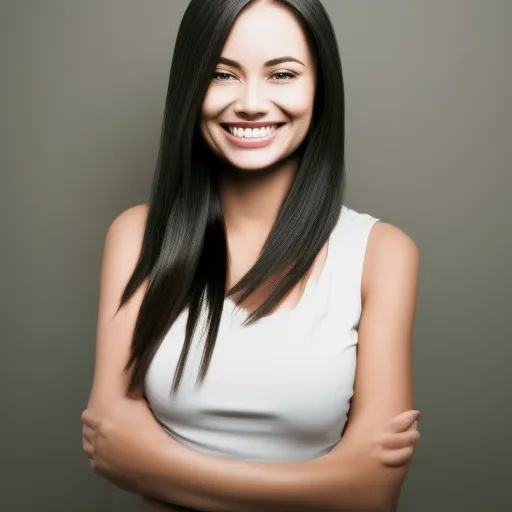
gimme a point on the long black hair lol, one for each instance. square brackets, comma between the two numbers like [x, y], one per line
[184, 250]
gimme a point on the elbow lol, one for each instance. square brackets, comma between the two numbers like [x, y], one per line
[380, 502]
[373, 502]
[382, 492]
[386, 494]
[385, 505]
[370, 500]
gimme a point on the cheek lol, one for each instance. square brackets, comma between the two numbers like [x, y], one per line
[297, 101]
[216, 100]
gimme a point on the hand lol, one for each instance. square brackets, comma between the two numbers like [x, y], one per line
[394, 446]
[119, 442]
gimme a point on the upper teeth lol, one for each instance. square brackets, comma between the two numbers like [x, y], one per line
[252, 133]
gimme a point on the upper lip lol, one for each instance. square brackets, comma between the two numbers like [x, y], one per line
[245, 124]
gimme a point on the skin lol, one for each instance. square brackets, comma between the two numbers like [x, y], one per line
[245, 89]
[365, 470]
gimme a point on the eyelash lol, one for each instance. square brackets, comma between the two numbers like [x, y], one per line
[289, 76]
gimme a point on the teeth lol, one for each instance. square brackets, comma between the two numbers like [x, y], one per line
[256, 133]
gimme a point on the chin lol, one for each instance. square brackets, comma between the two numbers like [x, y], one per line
[253, 160]
[253, 163]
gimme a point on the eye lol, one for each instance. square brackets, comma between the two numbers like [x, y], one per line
[283, 76]
[221, 76]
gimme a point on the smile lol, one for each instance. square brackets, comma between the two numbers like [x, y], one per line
[258, 136]
[252, 133]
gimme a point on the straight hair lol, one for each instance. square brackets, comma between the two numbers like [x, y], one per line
[184, 250]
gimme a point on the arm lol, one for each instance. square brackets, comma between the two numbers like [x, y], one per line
[114, 331]
[122, 247]
[352, 476]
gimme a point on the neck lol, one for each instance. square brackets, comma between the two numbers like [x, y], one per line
[251, 200]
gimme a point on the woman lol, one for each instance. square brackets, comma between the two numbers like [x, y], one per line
[247, 289]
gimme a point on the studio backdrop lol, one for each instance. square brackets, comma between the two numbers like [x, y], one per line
[429, 148]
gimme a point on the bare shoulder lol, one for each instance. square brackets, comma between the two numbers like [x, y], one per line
[391, 256]
[129, 225]
[383, 385]
[383, 381]
[121, 252]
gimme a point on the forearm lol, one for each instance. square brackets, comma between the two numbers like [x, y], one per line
[351, 480]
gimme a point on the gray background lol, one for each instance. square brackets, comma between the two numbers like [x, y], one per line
[429, 148]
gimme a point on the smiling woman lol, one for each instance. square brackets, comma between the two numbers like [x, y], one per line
[253, 83]
[268, 325]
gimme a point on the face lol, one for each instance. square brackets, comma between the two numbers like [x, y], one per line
[259, 105]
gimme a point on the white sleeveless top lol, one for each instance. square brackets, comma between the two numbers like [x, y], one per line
[278, 390]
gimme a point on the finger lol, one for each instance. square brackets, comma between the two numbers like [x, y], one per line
[401, 440]
[404, 421]
[88, 433]
[400, 457]
[87, 419]
[88, 447]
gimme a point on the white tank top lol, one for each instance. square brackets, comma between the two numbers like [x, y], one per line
[278, 390]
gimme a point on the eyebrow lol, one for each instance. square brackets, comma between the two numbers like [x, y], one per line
[268, 64]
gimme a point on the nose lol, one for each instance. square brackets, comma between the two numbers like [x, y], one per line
[251, 100]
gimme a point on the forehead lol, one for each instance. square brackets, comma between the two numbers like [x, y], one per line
[264, 31]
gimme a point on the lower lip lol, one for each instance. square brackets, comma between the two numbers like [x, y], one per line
[251, 143]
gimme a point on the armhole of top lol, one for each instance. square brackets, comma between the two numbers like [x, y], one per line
[350, 240]
[366, 229]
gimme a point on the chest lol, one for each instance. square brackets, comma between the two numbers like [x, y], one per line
[296, 368]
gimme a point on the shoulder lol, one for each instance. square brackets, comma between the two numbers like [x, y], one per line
[392, 257]
[126, 232]
[388, 240]
[123, 243]
[383, 384]
[130, 224]
[114, 332]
